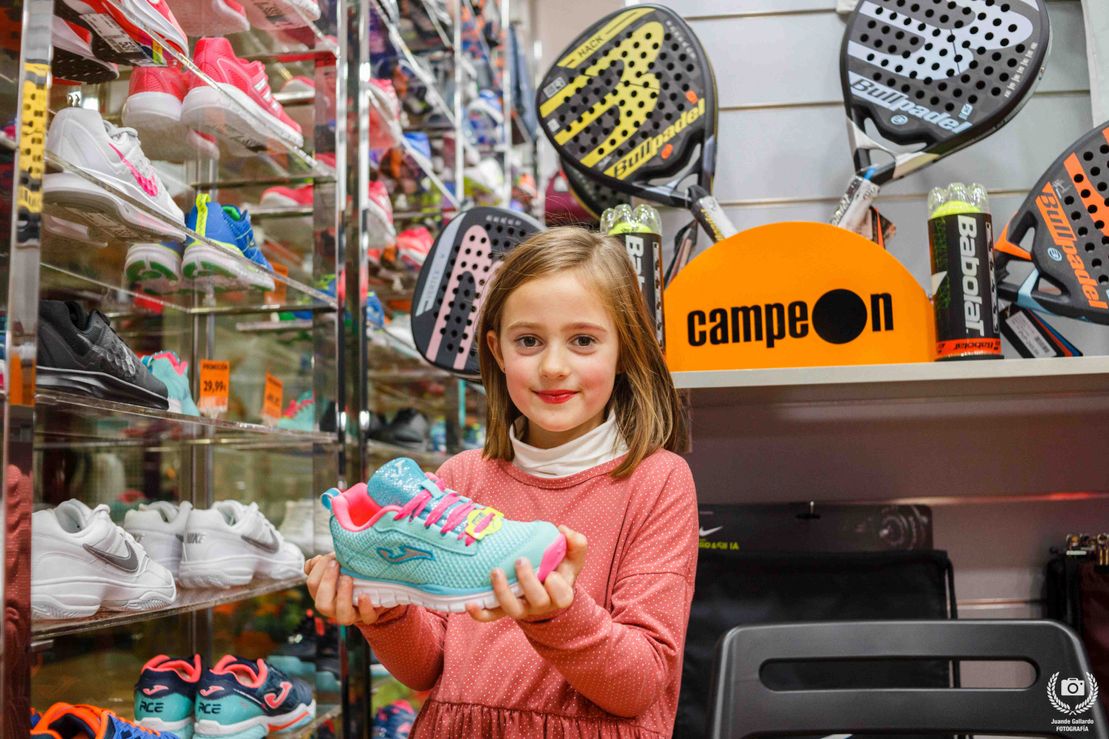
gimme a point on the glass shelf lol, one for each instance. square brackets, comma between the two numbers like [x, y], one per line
[381, 450]
[88, 261]
[271, 132]
[188, 600]
[113, 423]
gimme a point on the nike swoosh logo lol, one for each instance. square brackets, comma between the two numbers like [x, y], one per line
[270, 546]
[130, 563]
[148, 184]
[274, 702]
[405, 554]
[706, 532]
[208, 691]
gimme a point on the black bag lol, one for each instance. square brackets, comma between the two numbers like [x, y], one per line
[737, 587]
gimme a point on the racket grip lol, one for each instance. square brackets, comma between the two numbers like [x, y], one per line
[709, 214]
[854, 207]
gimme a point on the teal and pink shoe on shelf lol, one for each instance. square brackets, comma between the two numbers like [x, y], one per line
[405, 538]
[165, 695]
[300, 414]
[174, 374]
[248, 699]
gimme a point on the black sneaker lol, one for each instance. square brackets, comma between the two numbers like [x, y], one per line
[408, 429]
[80, 352]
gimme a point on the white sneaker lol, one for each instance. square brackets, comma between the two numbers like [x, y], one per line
[85, 141]
[160, 528]
[321, 529]
[296, 526]
[81, 562]
[229, 543]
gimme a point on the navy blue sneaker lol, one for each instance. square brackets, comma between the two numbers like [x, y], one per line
[165, 695]
[394, 721]
[248, 699]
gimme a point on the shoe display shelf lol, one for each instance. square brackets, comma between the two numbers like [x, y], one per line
[279, 333]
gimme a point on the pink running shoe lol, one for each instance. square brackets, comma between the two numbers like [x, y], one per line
[153, 108]
[119, 28]
[210, 17]
[288, 197]
[243, 107]
[272, 15]
[413, 246]
[385, 128]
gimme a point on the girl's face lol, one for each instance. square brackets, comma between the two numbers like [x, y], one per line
[559, 352]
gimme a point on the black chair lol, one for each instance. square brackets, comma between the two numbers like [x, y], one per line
[743, 705]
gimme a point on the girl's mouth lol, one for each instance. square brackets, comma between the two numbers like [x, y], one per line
[555, 397]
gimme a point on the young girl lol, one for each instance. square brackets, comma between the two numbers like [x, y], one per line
[582, 425]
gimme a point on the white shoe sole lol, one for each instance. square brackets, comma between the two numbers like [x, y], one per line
[156, 268]
[70, 196]
[386, 595]
[229, 572]
[157, 118]
[79, 598]
[256, 727]
[247, 124]
[182, 728]
[205, 260]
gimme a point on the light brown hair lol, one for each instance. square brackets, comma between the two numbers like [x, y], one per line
[648, 409]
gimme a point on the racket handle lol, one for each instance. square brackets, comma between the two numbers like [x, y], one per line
[855, 205]
[709, 214]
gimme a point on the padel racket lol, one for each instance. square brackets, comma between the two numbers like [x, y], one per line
[932, 77]
[1068, 214]
[632, 105]
[592, 195]
[452, 283]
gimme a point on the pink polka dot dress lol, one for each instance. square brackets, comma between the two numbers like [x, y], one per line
[607, 666]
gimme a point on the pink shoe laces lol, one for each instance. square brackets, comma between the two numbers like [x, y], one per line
[477, 526]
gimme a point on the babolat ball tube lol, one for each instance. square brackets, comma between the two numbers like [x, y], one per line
[960, 238]
[640, 229]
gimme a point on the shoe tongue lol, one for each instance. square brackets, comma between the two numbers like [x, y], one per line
[233, 213]
[78, 315]
[397, 482]
[78, 722]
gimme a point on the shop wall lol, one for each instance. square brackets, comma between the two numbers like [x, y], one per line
[784, 155]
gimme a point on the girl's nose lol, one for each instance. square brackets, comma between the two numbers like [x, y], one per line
[553, 363]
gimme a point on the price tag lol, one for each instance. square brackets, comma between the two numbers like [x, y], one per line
[277, 296]
[272, 399]
[215, 387]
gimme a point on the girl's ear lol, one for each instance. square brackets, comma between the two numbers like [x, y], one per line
[495, 347]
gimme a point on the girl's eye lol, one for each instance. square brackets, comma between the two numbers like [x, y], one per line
[584, 341]
[527, 342]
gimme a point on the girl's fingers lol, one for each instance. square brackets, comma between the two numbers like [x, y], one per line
[367, 614]
[534, 591]
[315, 573]
[484, 615]
[560, 592]
[344, 601]
[510, 604]
[325, 593]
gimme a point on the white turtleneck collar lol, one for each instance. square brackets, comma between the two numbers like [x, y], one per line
[595, 447]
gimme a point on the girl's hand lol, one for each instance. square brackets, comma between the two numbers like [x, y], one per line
[540, 598]
[334, 593]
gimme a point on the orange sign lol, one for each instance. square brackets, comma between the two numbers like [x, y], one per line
[795, 295]
[280, 289]
[215, 387]
[272, 398]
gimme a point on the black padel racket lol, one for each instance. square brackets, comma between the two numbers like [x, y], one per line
[632, 104]
[452, 282]
[1068, 214]
[592, 195]
[932, 77]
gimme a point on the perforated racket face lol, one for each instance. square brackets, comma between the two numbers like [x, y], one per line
[452, 282]
[632, 103]
[1068, 214]
[593, 196]
[941, 73]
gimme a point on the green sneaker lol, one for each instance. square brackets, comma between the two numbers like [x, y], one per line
[405, 538]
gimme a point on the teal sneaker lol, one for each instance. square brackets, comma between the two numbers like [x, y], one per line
[174, 374]
[165, 695]
[405, 538]
[248, 699]
[300, 414]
